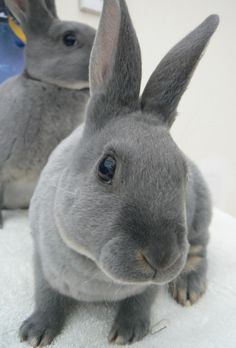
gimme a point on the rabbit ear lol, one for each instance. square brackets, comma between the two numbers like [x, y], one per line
[115, 65]
[18, 8]
[51, 6]
[33, 14]
[170, 79]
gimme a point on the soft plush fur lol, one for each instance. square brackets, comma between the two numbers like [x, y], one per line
[117, 241]
[46, 102]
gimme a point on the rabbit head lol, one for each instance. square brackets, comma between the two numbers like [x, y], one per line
[57, 51]
[123, 202]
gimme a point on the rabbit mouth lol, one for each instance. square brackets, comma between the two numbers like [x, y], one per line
[166, 275]
[150, 276]
[163, 275]
[124, 264]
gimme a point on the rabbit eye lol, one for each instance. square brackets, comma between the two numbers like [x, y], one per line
[70, 39]
[106, 169]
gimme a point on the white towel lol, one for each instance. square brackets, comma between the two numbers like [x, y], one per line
[211, 323]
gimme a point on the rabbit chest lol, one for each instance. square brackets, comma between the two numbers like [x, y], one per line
[40, 118]
[17, 193]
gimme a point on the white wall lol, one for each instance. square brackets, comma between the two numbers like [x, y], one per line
[206, 126]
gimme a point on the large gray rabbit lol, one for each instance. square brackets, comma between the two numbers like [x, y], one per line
[46, 102]
[119, 209]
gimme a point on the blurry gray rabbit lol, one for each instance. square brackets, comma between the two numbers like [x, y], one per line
[119, 209]
[46, 102]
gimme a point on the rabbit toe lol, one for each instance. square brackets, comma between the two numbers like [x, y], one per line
[128, 332]
[37, 331]
[187, 289]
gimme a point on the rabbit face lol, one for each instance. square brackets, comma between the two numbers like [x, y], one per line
[148, 237]
[62, 55]
[127, 212]
[57, 51]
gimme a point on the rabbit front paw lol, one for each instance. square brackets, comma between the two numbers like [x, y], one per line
[38, 330]
[188, 288]
[129, 330]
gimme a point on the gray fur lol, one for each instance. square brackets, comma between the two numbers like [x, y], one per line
[51, 7]
[40, 107]
[117, 242]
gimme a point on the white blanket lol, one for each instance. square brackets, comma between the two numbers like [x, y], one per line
[211, 323]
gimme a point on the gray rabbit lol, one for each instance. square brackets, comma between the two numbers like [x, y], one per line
[42, 106]
[119, 209]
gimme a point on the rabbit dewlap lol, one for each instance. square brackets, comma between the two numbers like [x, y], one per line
[119, 209]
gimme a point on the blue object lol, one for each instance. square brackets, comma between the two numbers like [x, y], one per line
[11, 53]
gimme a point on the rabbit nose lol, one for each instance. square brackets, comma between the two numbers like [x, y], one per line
[161, 255]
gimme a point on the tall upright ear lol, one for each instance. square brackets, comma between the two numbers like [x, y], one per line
[115, 65]
[51, 6]
[34, 15]
[170, 79]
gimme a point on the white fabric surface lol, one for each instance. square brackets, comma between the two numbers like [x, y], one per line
[211, 323]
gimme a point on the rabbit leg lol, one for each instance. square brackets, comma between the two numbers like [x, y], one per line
[132, 321]
[191, 284]
[48, 319]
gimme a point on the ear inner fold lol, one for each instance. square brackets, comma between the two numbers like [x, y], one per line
[18, 8]
[115, 67]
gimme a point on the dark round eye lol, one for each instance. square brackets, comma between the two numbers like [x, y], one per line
[106, 169]
[70, 39]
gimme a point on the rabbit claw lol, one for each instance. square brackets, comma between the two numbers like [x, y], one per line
[188, 288]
